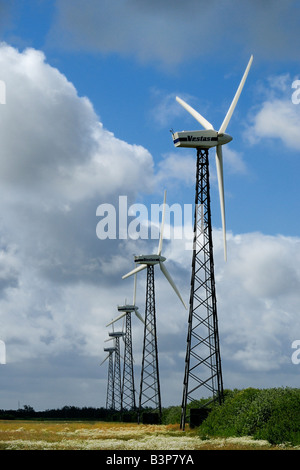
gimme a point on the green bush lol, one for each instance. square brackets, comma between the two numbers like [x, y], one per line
[271, 414]
[224, 420]
[171, 415]
[283, 423]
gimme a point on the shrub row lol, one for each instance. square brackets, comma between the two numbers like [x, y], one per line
[270, 414]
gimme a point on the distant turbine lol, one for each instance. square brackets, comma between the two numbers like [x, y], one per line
[128, 388]
[150, 385]
[117, 369]
[150, 260]
[110, 400]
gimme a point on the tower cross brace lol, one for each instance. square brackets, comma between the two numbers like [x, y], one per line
[203, 361]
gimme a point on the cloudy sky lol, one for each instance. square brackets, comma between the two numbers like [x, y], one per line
[87, 102]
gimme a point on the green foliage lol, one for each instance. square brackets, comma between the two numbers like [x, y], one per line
[171, 415]
[270, 414]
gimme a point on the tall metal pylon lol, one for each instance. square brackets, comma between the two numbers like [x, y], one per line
[117, 371]
[150, 396]
[110, 400]
[128, 388]
[203, 362]
[150, 385]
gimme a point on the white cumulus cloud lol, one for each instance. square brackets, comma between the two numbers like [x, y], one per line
[57, 164]
[277, 117]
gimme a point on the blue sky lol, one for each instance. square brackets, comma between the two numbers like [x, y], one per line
[90, 101]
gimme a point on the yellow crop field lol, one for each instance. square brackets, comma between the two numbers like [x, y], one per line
[83, 435]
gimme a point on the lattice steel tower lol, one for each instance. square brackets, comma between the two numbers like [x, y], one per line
[128, 389]
[150, 385]
[203, 362]
[117, 371]
[110, 400]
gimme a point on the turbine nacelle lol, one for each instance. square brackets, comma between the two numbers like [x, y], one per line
[149, 259]
[110, 352]
[201, 139]
[116, 334]
[127, 308]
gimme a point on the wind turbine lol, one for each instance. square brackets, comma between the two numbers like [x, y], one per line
[129, 308]
[117, 392]
[128, 388]
[110, 400]
[116, 335]
[150, 385]
[203, 360]
[151, 260]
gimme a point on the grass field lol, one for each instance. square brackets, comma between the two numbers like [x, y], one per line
[83, 435]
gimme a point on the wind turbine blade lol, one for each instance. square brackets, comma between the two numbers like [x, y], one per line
[139, 316]
[235, 99]
[207, 125]
[104, 360]
[135, 270]
[123, 336]
[166, 273]
[134, 290]
[219, 164]
[142, 320]
[116, 319]
[162, 225]
[109, 339]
